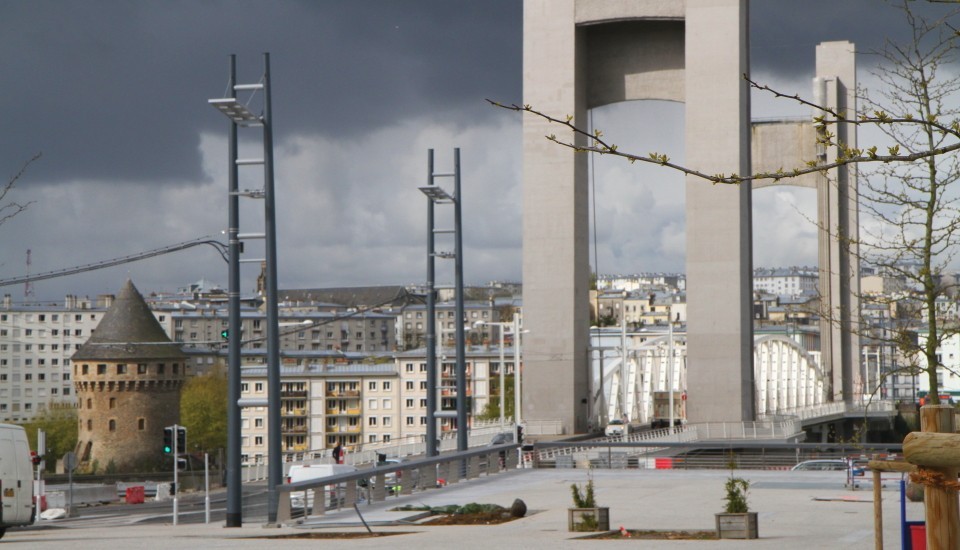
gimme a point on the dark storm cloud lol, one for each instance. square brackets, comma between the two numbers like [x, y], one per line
[117, 91]
[784, 33]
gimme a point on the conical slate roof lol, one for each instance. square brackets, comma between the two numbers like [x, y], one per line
[128, 330]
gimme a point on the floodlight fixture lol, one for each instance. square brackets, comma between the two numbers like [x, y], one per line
[236, 111]
[436, 194]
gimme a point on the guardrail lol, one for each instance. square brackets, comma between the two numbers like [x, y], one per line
[744, 454]
[345, 490]
[834, 408]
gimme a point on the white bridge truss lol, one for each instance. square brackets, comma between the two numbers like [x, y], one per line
[787, 377]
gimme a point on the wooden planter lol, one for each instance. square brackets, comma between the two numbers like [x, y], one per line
[737, 526]
[588, 519]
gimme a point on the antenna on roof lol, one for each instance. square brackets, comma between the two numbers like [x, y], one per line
[28, 284]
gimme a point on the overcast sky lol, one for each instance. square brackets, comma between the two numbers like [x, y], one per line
[114, 94]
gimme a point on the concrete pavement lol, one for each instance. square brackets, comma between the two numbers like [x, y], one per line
[797, 510]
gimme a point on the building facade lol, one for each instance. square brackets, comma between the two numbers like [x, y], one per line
[37, 341]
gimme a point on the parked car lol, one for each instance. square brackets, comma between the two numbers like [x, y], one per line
[616, 428]
[501, 438]
[304, 472]
[393, 480]
[822, 465]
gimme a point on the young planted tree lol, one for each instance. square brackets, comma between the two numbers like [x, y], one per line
[910, 209]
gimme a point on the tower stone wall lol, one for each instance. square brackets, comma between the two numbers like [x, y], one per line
[128, 378]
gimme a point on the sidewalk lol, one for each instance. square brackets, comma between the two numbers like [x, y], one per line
[789, 515]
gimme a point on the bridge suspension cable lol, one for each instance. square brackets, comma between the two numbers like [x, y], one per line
[208, 240]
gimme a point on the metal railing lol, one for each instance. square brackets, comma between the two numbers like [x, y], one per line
[740, 454]
[370, 485]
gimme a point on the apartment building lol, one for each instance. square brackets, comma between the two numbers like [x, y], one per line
[321, 406]
[786, 281]
[36, 343]
[412, 324]
[363, 403]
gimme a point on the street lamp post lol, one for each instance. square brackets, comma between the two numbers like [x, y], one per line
[438, 195]
[516, 369]
[240, 115]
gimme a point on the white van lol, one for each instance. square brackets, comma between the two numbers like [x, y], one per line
[304, 472]
[16, 478]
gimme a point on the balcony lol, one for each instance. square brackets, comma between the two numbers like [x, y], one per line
[343, 412]
[293, 394]
[293, 412]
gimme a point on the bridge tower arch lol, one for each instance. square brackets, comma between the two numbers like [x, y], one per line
[580, 54]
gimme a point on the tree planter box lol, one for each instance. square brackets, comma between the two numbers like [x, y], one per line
[588, 519]
[737, 526]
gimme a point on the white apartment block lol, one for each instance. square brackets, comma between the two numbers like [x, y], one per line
[366, 404]
[37, 341]
[786, 281]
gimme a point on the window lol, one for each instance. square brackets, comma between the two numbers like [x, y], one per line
[372, 421]
[28, 377]
[423, 367]
[386, 386]
[141, 368]
[113, 425]
[161, 368]
[101, 369]
[121, 369]
[387, 421]
[409, 403]
[423, 402]
[423, 385]
[244, 388]
[258, 422]
[113, 402]
[386, 438]
[387, 404]
[423, 420]
[372, 386]
[409, 384]
[78, 332]
[89, 425]
[28, 332]
[372, 438]
[258, 387]
[258, 440]
[371, 403]
[141, 424]
[409, 421]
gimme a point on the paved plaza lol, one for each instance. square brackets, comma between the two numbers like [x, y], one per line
[797, 510]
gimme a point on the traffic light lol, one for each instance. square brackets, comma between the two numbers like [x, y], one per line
[181, 463]
[35, 459]
[181, 439]
[225, 334]
[168, 440]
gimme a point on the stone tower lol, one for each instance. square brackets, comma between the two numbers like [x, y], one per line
[128, 378]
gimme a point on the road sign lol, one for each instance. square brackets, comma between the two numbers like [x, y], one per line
[70, 461]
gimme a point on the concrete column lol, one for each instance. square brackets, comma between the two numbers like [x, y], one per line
[838, 214]
[719, 240]
[555, 220]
